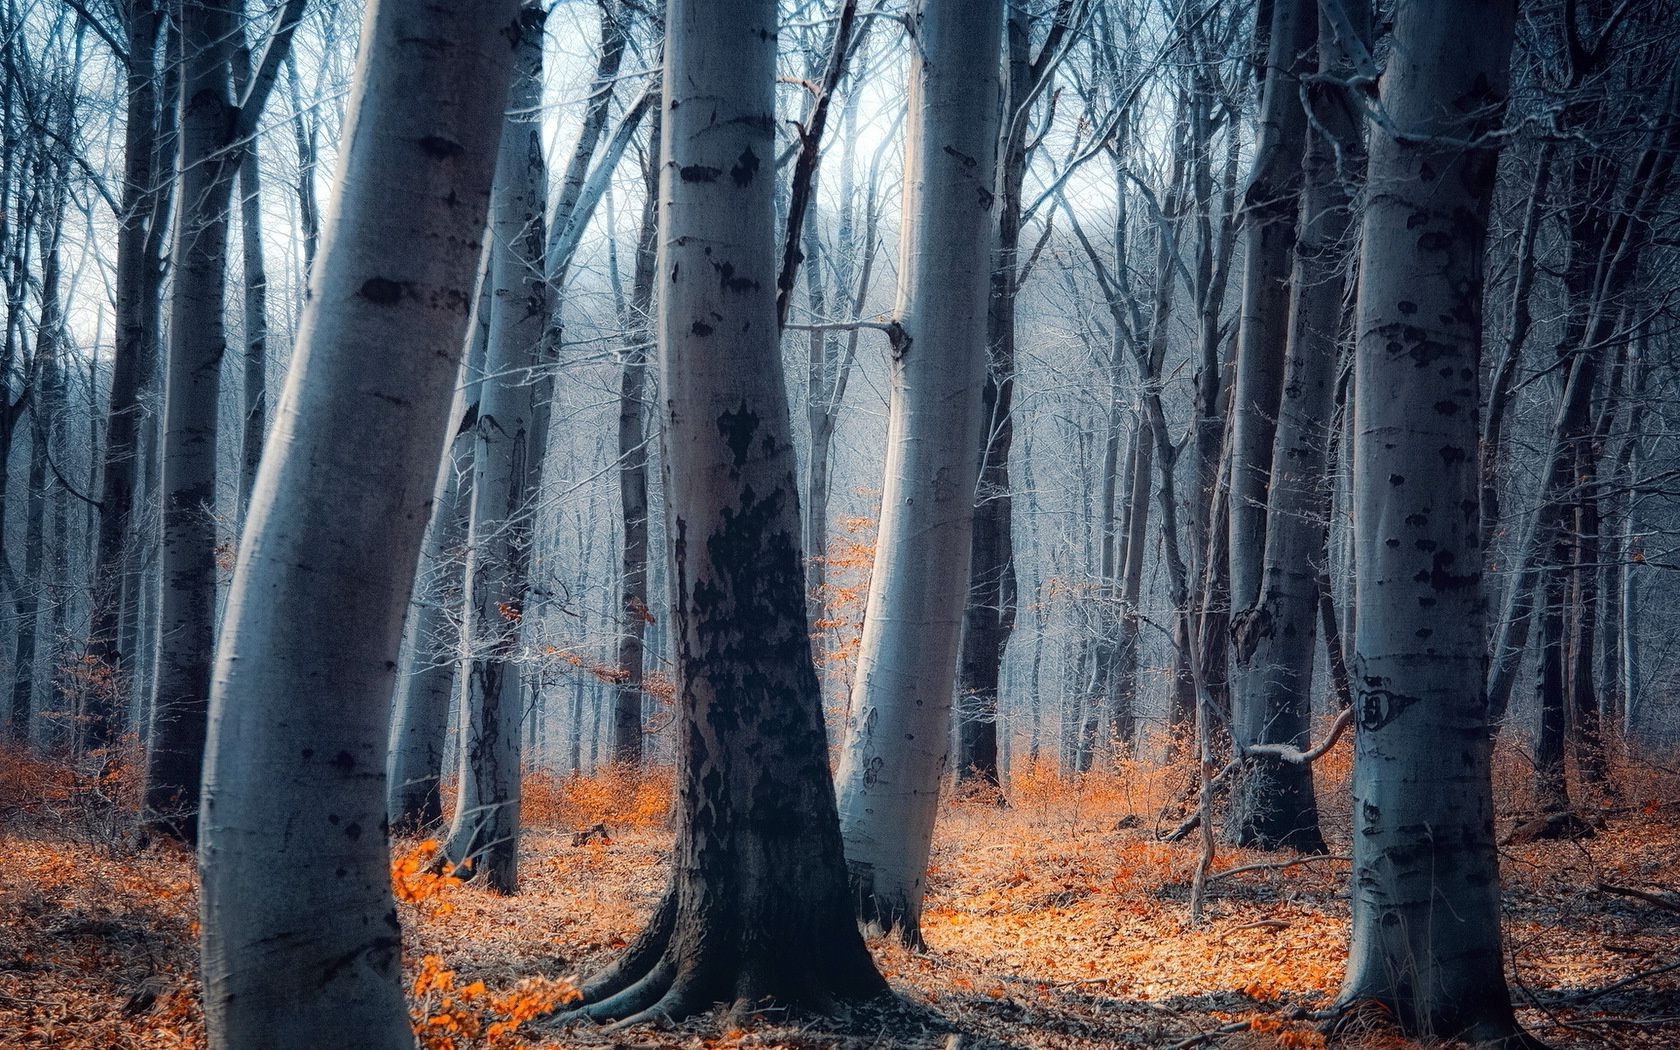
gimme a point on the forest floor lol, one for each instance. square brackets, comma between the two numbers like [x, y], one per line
[1058, 921]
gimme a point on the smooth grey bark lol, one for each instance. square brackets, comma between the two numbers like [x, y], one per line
[898, 730]
[1271, 206]
[301, 938]
[1275, 639]
[1426, 925]
[507, 448]
[757, 906]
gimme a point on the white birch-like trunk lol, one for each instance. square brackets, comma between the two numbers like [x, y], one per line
[1426, 936]
[301, 937]
[899, 730]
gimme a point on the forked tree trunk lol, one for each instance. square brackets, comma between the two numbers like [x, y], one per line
[1271, 207]
[898, 731]
[301, 938]
[1426, 936]
[757, 905]
[1276, 638]
[484, 833]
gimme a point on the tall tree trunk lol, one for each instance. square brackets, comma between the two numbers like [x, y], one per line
[132, 362]
[1276, 638]
[898, 730]
[1426, 937]
[1270, 205]
[197, 341]
[484, 833]
[301, 939]
[1275, 806]
[757, 906]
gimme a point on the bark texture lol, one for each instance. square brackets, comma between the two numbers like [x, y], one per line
[757, 906]
[301, 937]
[1426, 933]
[898, 731]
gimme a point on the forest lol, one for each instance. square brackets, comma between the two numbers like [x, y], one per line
[943, 524]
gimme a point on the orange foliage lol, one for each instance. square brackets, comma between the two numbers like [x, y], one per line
[619, 796]
[452, 1016]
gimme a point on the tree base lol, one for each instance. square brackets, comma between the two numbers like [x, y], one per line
[1352, 1020]
[1564, 825]
[674, 971]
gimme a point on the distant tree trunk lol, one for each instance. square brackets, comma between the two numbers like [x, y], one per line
[633, 475]
[989, 617]
[757, 906]
[214, 129]
[255, 302]
[898, 730]
[132, 362]
[484, 834]
[1276, 638]
[1426, 936]
[301, 938]
[197, 340]
[426, 683]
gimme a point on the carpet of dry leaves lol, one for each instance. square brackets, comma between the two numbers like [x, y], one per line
[1057, 921]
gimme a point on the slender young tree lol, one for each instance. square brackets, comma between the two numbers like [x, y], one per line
[301, 937]
[898, 732]
[757, 905]
[1426, 936]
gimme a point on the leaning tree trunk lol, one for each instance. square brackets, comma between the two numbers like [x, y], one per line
[757, 905]
[484, 833]
[1277, 637]
[898, 731]
[197, 341]
[301, 939]
[1271, 205]
[1426, 937]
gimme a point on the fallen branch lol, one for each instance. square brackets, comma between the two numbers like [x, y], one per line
[1594, 993]
[1660, 900]
[1278, 865]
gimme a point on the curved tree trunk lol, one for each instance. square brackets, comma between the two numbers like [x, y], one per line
[757, 906]
[301, 940]
[1426, 935]
[898, 731]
